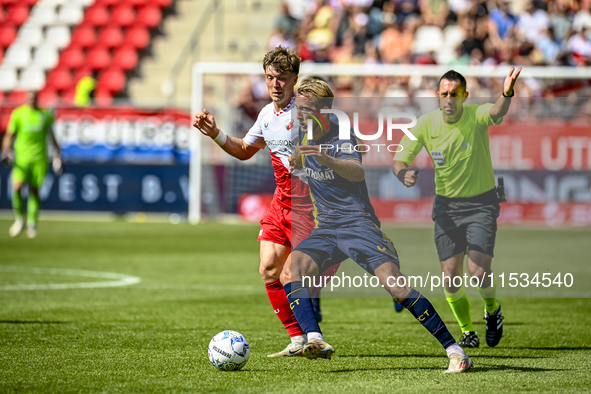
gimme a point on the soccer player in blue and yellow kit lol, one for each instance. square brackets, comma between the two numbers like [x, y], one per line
[466, 206]
[347, 226]
[30, 126]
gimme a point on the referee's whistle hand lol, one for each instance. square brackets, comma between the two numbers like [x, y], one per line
[410, 178]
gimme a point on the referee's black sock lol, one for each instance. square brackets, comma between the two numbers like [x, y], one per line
[422, 309]
[301, 305]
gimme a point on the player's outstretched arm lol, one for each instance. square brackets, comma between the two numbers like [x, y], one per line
[408, 178]
[205, 122]
[349, 169]
[501, 107]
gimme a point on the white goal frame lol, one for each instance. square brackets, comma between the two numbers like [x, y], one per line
[201, 69]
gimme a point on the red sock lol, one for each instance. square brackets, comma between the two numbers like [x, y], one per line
[281, 307]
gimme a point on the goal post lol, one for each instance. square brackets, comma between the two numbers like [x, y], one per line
[201, 70]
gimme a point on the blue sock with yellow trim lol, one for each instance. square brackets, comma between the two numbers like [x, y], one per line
[301, 305]
[422, 309]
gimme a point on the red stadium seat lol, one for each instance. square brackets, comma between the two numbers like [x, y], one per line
[18, 14]
[161, 3]
[106, 3]
[68, 96]
[60, 79]
[110, 37]
[137, 36]
[98, 58]
[7, 35]
[97, 16]
[136, 3]
[103, 97]
[84, 36]
[17, 97]
[72, 57]
[112, 80]
[125, 58]
[48, 97]
[123, 15]
[149, 16]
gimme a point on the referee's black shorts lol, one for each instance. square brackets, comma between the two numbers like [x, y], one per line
[463, 224]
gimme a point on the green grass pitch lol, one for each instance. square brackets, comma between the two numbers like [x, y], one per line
[198, 280]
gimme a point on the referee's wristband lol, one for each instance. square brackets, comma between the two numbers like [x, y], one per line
[401, 175]
[504, 95]
[221, 138]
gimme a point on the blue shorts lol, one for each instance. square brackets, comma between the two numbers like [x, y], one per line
[364, 243]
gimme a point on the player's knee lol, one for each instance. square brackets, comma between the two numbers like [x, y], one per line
[268, 271]
[17, 187]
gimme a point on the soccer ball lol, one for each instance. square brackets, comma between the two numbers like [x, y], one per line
[228, 351]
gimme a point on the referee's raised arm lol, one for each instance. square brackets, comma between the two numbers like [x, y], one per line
[501, 107]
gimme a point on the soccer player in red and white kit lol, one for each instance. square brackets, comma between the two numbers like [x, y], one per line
[289, 217]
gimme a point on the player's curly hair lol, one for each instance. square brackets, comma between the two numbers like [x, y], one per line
[282, 60]
[316, 87]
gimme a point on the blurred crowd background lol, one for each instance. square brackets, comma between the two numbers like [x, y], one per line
[454, 32]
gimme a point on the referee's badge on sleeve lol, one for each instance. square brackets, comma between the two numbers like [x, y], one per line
[347, 148]
[437, 157]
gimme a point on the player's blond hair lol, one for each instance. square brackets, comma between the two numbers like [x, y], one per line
[282, 60]
[316, 87]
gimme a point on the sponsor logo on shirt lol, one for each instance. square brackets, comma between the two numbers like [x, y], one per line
[280, 143]
[327, 175]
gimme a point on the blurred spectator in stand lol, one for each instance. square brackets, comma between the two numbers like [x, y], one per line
[579, 46]
[286, 22]
[458, 10]
[548, 47]
[360, 35]
[560, 21]
[298, 9]
[321, 36]
[434, 12]
[582, 18]
[396, 42]
[501, 24]
[405, 9]
[532, 22]
[471, 42]
[280, 38]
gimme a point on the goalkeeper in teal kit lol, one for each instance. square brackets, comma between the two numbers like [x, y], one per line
[28, 127]
[347, 226]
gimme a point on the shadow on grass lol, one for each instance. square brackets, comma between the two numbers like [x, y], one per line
[476, 368]
[428, 356]
[32, 322]
[490, 367]
[559, 348]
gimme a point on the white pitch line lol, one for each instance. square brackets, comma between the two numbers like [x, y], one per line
[194, 286]
[118, 279]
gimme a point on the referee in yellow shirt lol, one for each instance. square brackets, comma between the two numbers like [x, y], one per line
[466, 206]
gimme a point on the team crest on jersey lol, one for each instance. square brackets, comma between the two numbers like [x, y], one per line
[347, 148]
[289, 124]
